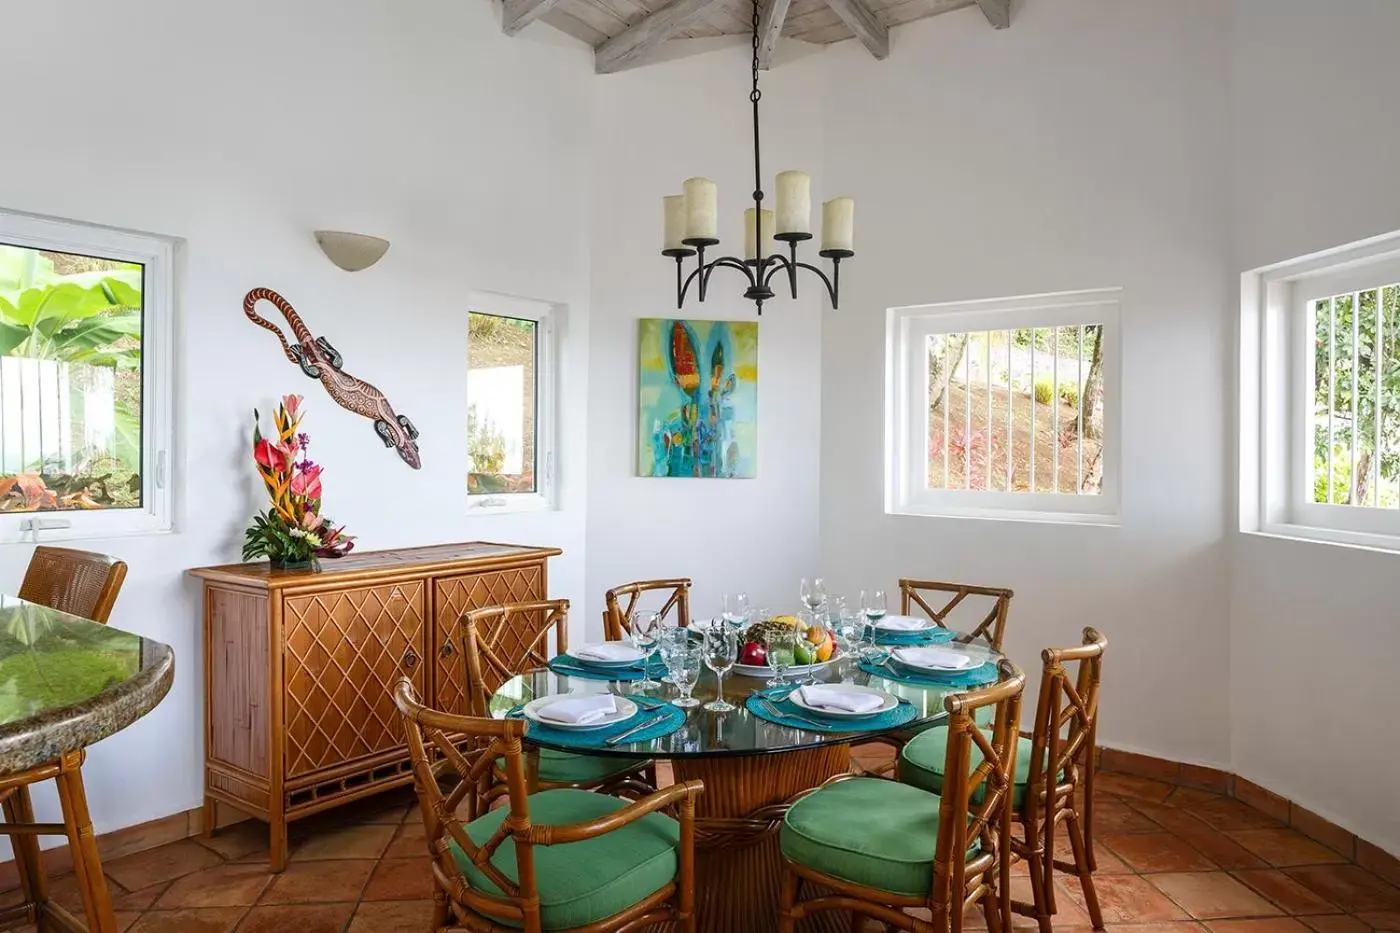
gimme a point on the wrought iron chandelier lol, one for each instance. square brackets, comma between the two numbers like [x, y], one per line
[691, 224]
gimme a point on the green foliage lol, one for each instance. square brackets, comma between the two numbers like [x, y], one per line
[1044, 390]
[1069, 394]
[271, 537]
[486, 445]
[84, 317]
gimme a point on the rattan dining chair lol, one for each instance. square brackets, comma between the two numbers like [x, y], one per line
[85, 584]
[616, 616]
[883, 847]
[1052, 766]
[562, 859]
[992, 627]
[500, 642]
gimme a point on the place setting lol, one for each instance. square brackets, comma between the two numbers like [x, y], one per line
[945, 665]
[838, 707]
[598, 720]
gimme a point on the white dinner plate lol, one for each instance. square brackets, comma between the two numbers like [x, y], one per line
[626, 709]
[890, 702]
[947, 661]
[924, 624]
[797, 670]
[633, 661]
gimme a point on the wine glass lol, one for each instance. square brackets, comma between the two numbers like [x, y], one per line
[721, 650]
[646, 630]
[872, 606]
[671, 641]
[813, 594]
[736, 610]
[684, 664]
[782, 652]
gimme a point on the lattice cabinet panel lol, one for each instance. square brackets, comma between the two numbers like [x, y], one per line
[454, 596]
[344, 652]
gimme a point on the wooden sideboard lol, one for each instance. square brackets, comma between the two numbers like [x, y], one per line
[298, 667]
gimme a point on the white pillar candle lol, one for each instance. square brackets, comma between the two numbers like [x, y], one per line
[838, 224]
[750, 250]
[673, 208]
[701, 208]
[794, 202]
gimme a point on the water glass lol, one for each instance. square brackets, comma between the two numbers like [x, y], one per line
[735, 612]
[671, 641]
[872, 605]
[684, 666]
[850, 628]
[646, 630]
[782, 650]
[813, 594]
[721, 649]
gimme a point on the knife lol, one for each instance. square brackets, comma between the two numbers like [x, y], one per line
[639, 727]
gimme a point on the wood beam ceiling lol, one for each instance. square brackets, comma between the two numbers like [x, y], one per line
[770, 27]
[869, 30]
[626, 47]
[517, 14]
[998, 12]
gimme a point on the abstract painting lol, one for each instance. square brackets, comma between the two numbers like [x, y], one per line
[698, 382]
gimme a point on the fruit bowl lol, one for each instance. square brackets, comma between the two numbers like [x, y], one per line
[815, 648]
[797, 670]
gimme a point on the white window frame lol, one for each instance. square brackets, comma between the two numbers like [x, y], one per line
[157, 255]
[548, 318]
[1276, 373]
[906, 406]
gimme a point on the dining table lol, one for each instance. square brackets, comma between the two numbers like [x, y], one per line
[65, 683]
[753, 769]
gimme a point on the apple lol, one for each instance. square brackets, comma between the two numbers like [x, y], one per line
[753, 653]
[805, 653]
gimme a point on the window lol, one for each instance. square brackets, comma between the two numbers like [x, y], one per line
[510, 352]
[1005, 408]
[1320, 396]
[84, 380]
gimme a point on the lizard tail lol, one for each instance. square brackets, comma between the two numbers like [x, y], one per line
[268, 295]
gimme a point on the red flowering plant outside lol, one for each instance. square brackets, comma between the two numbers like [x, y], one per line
[294, 529]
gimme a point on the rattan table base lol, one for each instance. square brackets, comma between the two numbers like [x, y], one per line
[737, 860]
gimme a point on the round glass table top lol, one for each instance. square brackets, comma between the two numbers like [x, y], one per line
[739, 732]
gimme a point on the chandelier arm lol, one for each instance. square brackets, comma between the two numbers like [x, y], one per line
[833, 285]
[683, 286]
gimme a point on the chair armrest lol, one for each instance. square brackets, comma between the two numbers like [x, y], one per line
[573, 832]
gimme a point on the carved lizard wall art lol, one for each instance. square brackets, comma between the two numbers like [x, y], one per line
[319, 360]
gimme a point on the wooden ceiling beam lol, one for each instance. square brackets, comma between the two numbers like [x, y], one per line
[517, 14]
[626, 47]
[869, 30]
[998, 12]
[770, 28]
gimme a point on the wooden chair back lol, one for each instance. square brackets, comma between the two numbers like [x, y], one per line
[617, 615]
[432, 747]
[500, 642]
[959, 881]
[992, 627]
[80, 583]
[1066, 720]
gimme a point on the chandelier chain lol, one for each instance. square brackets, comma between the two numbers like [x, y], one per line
[756, 93]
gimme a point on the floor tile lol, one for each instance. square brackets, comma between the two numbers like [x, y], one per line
[1351, 887]
[239, 841]
[1285, 892]
[1384, 920]
[352, 841]
[1336, 923]
[402, 879]
[1173, 819]
[301, 918]
[1112, 815]
[220, 886]
[1131, 787]
[411, 841]
[202, 920]
[324, 882]
[1125, 898]
[1187, 797]
[1222, 850]
[64, 890]
[163, 863]
[1285, 848]
[1230, 815]
[1178, 926]
[1212, 895]
[1259, 925]
[392, 917]
[1153, 852]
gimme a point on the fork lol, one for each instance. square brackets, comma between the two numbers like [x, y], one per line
[774, 711]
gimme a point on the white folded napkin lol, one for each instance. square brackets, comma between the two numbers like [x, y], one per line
[608, 651]
[939, 659]
[580, 710]
[902, 624]
[849, 701]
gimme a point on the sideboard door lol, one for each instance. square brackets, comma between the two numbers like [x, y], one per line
[344, 650]
[454, 596]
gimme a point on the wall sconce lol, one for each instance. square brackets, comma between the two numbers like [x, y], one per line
[351, 251]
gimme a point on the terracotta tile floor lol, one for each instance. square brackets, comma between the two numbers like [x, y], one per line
[1171, 860]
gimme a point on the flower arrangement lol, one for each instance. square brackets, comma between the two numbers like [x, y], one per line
[294, 530]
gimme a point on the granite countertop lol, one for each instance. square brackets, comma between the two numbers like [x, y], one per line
[67, 682]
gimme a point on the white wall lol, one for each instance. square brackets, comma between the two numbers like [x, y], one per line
[655, 127]
[241, 128]
[1081, 148]
[1314, 167]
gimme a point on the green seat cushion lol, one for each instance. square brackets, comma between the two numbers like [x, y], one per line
[559, 767]
[922, 758]
[879, 834]
[581, 882]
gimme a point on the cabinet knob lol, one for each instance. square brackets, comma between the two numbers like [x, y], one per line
[447, 649]
[410, 659]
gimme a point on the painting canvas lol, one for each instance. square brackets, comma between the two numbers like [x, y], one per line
[698, 382]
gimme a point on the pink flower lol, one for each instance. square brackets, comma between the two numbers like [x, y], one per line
[270, 455]
[307, 483]
[311, 521]
[292, 403]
